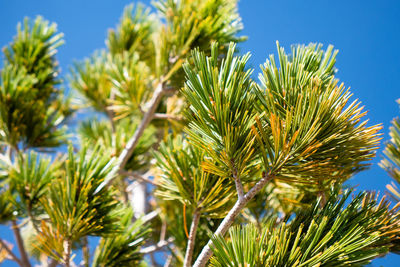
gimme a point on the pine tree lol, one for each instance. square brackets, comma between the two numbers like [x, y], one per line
[186, 155]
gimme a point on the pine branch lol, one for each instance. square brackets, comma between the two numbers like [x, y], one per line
[10, 253]
[20, 243]
[167, 117]
[191, 239]
[206, 253]
[160, 245]
[238, 183]
[67, 252]
[138, 177]
[132, 143]
[86, 252]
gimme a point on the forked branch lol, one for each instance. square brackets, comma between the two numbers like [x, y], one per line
[206, 253]
[20, 243]
[9, 252]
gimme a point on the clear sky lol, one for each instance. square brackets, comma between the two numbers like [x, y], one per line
[367, 33]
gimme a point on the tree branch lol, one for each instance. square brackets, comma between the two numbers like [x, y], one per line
[238, 183]
[191, 239]
[150, 216]
[168, 261]
[138, 177]
[167, 117]
[9, 252]
[206, 253]
[160, 245]
[20, 243]
[67, 252]
[86, 252]
[132, 143]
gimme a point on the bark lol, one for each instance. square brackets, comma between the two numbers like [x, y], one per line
[67, 253]
[191, 239]
[207, 252]
[10, 253]
[20, 243]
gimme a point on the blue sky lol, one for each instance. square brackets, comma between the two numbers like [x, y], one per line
[367, 33]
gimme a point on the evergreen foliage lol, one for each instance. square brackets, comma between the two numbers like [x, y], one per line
[182, 146]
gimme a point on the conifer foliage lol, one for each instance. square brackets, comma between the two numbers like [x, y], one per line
[186, 159]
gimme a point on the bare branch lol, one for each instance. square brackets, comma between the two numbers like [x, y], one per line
[123, 158]
[168, 116]
[206, 253]
[20, 243]
[148, 116]
[168, 261]
[9, 252]
[191, 239]
[238, 183]
[86, 252]
[138, 177]
[150, 216]
[160, 245]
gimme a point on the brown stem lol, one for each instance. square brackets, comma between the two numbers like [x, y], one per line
[191, 239]
[207, 252]
[67, 252]
[10, 253]
[53, 263]
[20, 243]
[86, 252]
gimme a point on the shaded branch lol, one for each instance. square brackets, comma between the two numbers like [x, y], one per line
[86, 252]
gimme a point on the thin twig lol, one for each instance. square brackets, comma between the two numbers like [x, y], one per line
[191, 239]
[150, 216]
[138, 177]
[33, 220]
[160, 245]
[165, 116]
[86, 252]
[168, 261]
[163, 231]
[20, 243]
[207, 252]
[9, 252]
